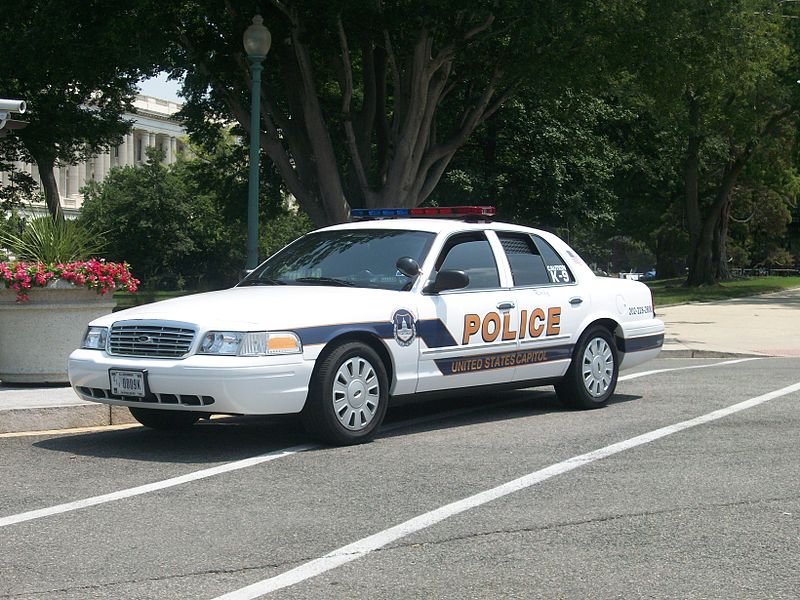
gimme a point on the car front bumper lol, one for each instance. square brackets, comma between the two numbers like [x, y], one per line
[208, 384]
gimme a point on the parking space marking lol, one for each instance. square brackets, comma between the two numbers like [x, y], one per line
[657, 371]
[152, 487]
[257, 460]
[364, 546]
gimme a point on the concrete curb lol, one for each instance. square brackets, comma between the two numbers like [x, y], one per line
[688, 353]
[17, 420]
[25, 409]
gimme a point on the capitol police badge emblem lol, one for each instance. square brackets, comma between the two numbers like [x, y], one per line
[405, 327]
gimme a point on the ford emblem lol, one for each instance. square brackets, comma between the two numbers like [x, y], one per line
[144, 339]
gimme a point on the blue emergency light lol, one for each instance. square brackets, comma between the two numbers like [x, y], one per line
[437, 211]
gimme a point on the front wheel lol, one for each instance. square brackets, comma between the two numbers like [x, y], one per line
[591, 379]
[165, 420]
[348, 395]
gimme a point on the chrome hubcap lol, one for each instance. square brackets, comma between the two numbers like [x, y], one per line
[598, 367]
[356, 393]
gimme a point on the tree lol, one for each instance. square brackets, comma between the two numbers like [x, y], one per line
[725, 72]
[76, 65]
[545, 160]
[365, 104]
[183, 224]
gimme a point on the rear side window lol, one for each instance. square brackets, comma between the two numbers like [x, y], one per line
[556, 268]
[471, 253]
[527, 264]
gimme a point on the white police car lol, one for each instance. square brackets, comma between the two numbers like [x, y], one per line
[347, 317]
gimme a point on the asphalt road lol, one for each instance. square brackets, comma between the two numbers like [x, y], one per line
[708, 509]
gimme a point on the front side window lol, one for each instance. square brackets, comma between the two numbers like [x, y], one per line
[351, 258]
[471, 253]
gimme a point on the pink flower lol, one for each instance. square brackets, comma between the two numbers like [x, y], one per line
[94, 274]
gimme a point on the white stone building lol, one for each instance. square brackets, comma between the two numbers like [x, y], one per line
[153, 125]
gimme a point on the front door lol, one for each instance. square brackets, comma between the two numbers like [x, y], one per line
[469, 336]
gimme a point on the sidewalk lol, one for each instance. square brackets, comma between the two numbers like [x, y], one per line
[767, 325]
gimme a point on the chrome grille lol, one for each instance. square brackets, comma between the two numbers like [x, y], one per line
[150, 340]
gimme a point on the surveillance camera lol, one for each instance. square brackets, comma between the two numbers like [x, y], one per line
[17, 106]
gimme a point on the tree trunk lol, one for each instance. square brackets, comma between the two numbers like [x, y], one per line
[665, 256]
[701, 271]
[721, 241]
[50, 186]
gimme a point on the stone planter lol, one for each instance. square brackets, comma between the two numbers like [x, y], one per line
[37, 336]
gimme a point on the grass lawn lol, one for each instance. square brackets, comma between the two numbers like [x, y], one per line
[671, 291]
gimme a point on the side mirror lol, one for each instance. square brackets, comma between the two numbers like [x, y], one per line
[407, 266]
[448, 280]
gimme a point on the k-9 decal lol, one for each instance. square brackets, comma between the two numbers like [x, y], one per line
[558, 273]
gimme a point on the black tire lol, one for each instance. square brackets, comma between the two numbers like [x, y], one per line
[348, 395]
[164, 420]
[591, 379]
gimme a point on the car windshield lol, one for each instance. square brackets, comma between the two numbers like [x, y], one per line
[352, 258]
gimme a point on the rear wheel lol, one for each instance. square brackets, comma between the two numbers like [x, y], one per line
[591, 379]
[165, 420]
[348, 395]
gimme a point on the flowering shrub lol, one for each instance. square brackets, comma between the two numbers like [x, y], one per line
[94, 274]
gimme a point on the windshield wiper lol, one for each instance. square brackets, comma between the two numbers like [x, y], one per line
[325, 281]
[261, 281]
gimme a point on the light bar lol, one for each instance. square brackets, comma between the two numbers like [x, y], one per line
[438, 211]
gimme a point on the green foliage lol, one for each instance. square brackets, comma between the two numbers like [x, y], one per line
[150, 216]
[20, 187]
[280, 229]
[183, 225]
[76, 65]
[53, 241]
[10, 224]
[548, 161]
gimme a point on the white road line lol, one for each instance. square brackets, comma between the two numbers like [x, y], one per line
[656, 371]
[153, 487]
[364, 546]
[250, 462]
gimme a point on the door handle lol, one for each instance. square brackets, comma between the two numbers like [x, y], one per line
[505, 305]
[576, 300]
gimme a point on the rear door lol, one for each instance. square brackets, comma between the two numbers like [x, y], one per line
[550, 303]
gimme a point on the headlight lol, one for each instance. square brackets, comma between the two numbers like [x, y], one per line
[95, 338]
[254, 343]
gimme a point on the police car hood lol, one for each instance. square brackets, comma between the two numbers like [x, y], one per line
[270, 308]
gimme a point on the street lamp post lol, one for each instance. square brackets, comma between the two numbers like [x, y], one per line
[257, 40]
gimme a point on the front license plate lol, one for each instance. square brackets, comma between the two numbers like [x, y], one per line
[128, 383]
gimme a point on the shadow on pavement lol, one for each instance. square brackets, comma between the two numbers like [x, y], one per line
[235, 438]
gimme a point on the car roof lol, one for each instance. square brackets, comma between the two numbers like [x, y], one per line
[433, 225]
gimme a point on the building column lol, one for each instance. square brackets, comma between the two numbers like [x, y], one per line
[98, 168]
[173, 148]
[122, 152]
[81, 175]
[106, 163]
[131, 149]
[72, 180]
